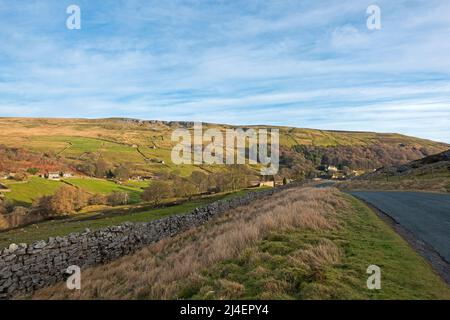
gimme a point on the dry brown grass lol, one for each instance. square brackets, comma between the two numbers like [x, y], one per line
[156, 271]
[325, 253]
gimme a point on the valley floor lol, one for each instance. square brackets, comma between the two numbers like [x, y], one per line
[302, 243]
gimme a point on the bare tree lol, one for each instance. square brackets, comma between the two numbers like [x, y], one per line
[200, 179]
[156, 192]
[118, 198]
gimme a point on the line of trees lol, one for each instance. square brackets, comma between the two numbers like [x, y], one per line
[173, 185]
[102, 169]
[68, 199]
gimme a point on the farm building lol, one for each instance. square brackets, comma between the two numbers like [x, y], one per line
[53, 176]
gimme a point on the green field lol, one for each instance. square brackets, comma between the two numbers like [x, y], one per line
[92, 185]
[24, 192]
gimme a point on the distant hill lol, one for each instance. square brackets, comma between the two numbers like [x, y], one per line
[145, 147]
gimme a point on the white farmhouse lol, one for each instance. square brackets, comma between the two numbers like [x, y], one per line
[53, 176]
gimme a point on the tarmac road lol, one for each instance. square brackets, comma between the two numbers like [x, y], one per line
[426, 215]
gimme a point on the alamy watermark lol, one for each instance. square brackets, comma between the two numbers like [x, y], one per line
[374, 19]
[374, 280]
[73, 21]
[73, 282]
[234, 146]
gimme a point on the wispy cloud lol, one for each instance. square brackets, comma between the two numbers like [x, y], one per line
[301, 63]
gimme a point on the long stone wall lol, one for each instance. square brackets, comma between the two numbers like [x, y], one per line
[26, 268]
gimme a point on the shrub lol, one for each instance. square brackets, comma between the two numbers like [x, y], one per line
[66, 200]
[122, 173]
[20, 211]
[98, 199]
[118, 198]
[184, 189]
[2, 208]
[200, 180]
[6, 206]
[156, 192]
[33, 171]
[20, 176]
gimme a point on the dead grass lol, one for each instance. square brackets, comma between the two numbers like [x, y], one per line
[325, 253]
[157, 271]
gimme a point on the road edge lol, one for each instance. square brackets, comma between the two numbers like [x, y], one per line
[437, 262]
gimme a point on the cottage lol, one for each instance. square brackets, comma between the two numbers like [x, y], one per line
[53, 175]
[67, 175]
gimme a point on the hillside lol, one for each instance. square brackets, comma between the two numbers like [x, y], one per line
[431, 173]
[437, 164]
[14, 159]
[144, 147]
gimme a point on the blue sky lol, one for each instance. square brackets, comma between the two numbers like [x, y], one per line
[282, 62]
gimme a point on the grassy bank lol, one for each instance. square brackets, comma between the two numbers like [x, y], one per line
[299, 244]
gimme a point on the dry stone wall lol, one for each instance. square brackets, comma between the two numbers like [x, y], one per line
[26, 268]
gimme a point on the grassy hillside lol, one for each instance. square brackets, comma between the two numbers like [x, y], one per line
[431, 173]
[143, 145]
[299, 244]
